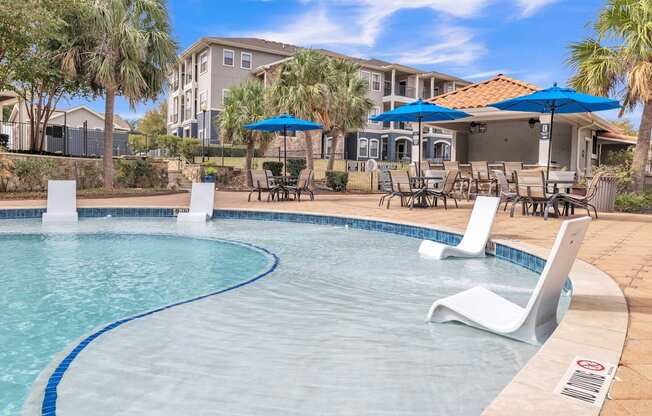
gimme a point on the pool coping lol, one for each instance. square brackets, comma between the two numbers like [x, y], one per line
[594, 326]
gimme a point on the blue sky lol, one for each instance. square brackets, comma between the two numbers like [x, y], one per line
[472, 39]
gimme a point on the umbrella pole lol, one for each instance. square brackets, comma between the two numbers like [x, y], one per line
[552, 123]
[285, 150]
[419, 151]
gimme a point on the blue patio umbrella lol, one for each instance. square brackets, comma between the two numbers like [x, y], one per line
[557, 100]
[420, 111]
[283, 123]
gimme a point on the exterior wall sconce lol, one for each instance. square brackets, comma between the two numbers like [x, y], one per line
[478, 127]
[532, 122]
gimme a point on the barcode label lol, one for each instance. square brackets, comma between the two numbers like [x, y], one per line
[586, 381]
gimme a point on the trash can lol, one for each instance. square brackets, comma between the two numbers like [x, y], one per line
[605, 196]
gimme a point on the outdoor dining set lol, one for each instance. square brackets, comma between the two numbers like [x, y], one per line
[281, 187]
[510, 181]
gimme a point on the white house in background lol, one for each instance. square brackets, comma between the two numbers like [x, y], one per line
[579, 140]
[74, 117]
[75, 131]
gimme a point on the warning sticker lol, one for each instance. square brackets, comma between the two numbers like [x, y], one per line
[587, 381]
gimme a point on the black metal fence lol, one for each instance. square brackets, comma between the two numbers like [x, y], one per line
[63, 140]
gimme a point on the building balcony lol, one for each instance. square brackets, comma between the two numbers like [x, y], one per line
[400, 90]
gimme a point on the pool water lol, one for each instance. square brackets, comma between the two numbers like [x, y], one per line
[337, 328]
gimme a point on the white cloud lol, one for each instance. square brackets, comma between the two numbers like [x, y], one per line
[358, 24]
[454, 45]
[530, 7]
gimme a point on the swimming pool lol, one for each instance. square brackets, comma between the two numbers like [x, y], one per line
[337, 326]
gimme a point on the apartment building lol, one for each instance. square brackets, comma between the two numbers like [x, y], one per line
[209, 68]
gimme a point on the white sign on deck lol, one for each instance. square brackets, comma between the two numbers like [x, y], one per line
[587, 381]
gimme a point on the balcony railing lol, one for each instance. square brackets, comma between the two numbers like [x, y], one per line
[400, 90]
[397, 125]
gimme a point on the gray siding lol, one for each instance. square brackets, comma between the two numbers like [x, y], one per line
[226, 77]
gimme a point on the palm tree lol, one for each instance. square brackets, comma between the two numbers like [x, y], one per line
[246, 104]
[124, 49]
[348, 100]
[618, 60]
[300, 88]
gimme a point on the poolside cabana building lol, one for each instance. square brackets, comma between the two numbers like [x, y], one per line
[497, 136]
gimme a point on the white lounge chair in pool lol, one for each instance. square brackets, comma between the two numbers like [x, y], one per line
[202, 199]
[483, 309]
[62, 202]
[475, 237]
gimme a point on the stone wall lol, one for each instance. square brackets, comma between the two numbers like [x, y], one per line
[86, 171]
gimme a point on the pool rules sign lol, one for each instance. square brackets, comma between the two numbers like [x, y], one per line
[586, 381]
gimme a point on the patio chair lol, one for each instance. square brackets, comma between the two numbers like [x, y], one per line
[462, 181]
[584, 201]
[401, 187]
[505, 193]
[566, 180]
[261, 182]
[447, 189]
[62, 202]
[475, 237]
[202, 201]
[436, 179]
[510, 169]
[385, 185]
[531, 189]
[481, 177]
[303, 185]
[483, 309]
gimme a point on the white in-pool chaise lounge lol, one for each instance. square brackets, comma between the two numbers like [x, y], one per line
[475, 237]
[202, 200]
[483, 309]
[62, 202]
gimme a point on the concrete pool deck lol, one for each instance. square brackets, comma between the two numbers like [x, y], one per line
[618, 244]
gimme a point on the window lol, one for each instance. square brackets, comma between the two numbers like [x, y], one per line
[225, 96]
[363, 148]
[203, 62]
[375, 82]
[245, 60]
[329, 145]
[228, 57]
[203, 101]
[449, 87]
[373, 148]
[365, 76]
[373, 113]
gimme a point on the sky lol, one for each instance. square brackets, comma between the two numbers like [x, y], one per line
[471, 39]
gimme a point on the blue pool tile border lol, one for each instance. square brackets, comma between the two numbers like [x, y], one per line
[503, 252]
[49, 404]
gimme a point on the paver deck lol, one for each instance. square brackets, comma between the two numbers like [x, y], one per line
[618, 244]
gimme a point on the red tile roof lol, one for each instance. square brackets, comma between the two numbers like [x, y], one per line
[483, 93]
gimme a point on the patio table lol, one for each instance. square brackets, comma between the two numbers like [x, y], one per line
[424, 191]
[282, 182]
[569, 209]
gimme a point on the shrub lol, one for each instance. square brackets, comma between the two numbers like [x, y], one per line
[618, 163]
[295, 166]
[275, 167]
[138, 174]
[632, 202]
[139, 143]
[170, 145]
[210, 171]
[190, 148]
[230, 151]
[337, 180]
[33, 173]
